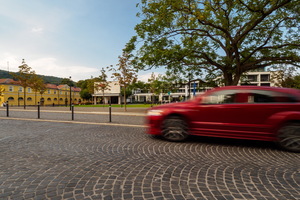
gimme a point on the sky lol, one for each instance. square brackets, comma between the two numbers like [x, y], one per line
[66, 38]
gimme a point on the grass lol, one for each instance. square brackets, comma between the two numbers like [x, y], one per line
[118, 106]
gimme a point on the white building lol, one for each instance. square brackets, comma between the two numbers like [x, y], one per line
[183, 91]
[260, 78]
[112, 93]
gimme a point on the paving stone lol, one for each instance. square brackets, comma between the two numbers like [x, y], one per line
[45, 160]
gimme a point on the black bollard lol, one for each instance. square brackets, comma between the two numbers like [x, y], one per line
[110, 110]
[7, 109]
[72, 111]
[39, 110]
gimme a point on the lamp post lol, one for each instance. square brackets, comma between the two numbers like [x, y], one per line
[70, 93]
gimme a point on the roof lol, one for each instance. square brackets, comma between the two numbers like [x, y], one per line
[8, 81]
[48, 85]
[251, 87]
[51, 86]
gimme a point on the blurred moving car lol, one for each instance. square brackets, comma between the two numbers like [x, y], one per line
[242, 112]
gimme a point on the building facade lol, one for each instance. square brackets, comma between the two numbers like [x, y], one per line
[182, 92]
[260, 78]
[111, 94]
[13, 93]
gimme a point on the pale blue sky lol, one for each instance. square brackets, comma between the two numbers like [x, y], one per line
[65, 37]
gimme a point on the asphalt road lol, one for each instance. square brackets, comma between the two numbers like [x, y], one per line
[57, 158]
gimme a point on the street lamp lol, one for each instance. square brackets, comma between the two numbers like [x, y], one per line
[70, 94]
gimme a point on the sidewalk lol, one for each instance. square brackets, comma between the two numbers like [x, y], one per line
[114, 110]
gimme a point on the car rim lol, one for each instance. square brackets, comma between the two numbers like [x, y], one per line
[289, 137]
[174, 129]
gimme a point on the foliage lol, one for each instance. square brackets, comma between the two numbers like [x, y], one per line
[217, 36]
[2, 90]
[37, 84]
[283, 75]
[67, 81]
[102, 84]
[125, 74]
[293, 82]
[24, 76]
[85, 94]
[286, 76]
[87, 88]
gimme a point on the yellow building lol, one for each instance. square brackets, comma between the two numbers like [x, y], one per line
[13, 92]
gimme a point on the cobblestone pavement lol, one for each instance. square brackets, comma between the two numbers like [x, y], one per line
[47, 160]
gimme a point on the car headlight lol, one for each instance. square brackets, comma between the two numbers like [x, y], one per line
[154, 112]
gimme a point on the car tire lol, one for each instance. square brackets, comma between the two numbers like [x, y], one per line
[174, 129]
[289, 137]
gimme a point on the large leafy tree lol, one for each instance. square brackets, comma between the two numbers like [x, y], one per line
[217, 37]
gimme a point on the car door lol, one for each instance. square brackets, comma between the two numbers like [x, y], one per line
[218, 114]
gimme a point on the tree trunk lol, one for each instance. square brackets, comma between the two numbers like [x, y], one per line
[228, 78]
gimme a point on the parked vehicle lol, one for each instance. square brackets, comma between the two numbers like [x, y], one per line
[242, 112]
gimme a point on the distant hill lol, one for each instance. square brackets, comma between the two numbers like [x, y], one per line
[47, 79]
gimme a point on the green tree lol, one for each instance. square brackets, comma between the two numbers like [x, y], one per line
[102, 84]
[155, 86]
[217, 36]
[37, 84]
[67, 81]
[125, 73]
[85, 94]
[24, 77]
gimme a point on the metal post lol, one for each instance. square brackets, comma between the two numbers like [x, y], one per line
[72, 111]
[7, 109]
[70, 93]
[110, 109]
[70, 99]
[39, 109]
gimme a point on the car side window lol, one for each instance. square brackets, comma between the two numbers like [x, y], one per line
[220, 97]
[263, 96]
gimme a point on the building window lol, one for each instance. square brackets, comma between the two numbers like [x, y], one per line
[252, 78]
[54, 91]
[265, 77]
[49, 99]
[29, 99]
[29, 90]
[10, 99]
[49, 91]
[20, 89]
[11, 88]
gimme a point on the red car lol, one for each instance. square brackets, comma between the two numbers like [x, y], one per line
[242, 112]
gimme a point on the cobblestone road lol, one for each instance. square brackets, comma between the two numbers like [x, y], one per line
[47, 160]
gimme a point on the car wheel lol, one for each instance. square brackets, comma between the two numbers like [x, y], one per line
[289, 137]
[174, 129]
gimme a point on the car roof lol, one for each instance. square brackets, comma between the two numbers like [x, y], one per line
[277, 89]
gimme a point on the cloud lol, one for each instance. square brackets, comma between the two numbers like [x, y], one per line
[145, 77]
[51, 67]
[37, 30]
